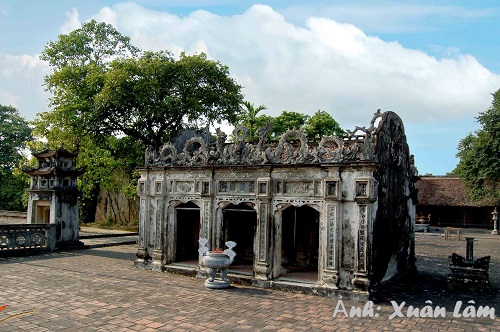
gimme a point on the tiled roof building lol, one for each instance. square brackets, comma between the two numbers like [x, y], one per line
[446, 199]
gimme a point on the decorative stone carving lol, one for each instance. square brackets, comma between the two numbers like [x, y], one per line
[355, 145]
[236, 187]
[185, 199]
[206, 221]
[168, 154]
[362, 238]
[283, 203]
[331, 241]
[298, 188]
[195, 152]
[263, 233]
[235, 200]
[286, 153]
[184, 186]
[150, 156]
[330, 149]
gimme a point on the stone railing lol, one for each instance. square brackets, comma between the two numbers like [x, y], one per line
[16, 238]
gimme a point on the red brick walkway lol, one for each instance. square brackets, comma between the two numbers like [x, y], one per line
[99, 290]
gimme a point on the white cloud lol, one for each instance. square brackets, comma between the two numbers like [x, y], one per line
[321, 65]
[389, 18]
[72, 21]
[21, 79]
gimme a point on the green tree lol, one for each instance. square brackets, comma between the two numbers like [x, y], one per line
[249, 118]
[288, 120]
[110, 100]
[322, 124]
[78, 60]
[109, 166]
[153, 97]
[479, 155]
[14, 134]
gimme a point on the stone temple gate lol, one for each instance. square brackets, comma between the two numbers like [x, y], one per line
[334, 216]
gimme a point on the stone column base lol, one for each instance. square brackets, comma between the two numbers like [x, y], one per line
[360, 281]
[262, 271]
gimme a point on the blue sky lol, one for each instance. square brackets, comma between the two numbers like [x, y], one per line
[435, 63]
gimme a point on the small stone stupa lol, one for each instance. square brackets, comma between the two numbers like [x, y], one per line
[53, 195]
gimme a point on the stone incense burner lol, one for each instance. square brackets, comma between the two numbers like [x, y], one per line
[217, 261]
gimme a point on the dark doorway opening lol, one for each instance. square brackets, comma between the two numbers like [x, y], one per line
[239, 224]
[187, 233]
[300, 243]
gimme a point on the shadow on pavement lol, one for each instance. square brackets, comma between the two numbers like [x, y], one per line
[429, 283]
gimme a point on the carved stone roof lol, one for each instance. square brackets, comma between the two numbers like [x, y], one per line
[292, 148]
[52, 171]
[55, 153]
[445, 191]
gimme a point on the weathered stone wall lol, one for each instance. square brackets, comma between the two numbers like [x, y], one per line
[114, 207]
[393, 245]
[12, 217]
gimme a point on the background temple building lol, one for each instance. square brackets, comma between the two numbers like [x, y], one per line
[332, 217]
[446, 200]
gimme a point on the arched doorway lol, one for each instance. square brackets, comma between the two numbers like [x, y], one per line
[238, 224]
[187, 218]
[300, 243]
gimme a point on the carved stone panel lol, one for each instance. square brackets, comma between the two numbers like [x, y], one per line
[331, 254]
[184, 186]
[263, 232]
[206, 220]
[142, 223]
[159, 223]
[236, 187]
[299, 188]
[362, 238]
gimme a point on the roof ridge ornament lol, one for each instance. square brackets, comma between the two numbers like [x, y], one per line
[357, 144]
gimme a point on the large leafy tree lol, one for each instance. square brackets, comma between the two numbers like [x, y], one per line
[78, 60]
[322, 124]
[319, 125]
[479, 155]
[110, 100]
[14, 134]
[151, 98]
[288, 120]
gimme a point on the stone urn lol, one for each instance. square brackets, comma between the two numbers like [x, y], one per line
[217, 261]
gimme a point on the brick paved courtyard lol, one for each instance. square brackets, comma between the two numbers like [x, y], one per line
[99, 290]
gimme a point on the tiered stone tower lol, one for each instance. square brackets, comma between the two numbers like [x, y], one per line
[53, 196]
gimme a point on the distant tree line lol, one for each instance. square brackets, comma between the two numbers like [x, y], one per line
[316, 126]
[15, 132]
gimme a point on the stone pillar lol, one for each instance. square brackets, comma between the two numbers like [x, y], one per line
[495, 222]
[469, 251]
[360, 280]
[142, 253]
[261, 267]
[158, 251]
[206, 223]
[330, 271]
